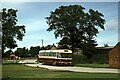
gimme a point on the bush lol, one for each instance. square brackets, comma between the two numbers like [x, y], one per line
[79, 59]
[96, 59]
[100, 58]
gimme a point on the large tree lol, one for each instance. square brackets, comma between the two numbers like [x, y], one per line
[22, 52]
[34, 51]
[10, 30]
[64, 43]
[78, 25]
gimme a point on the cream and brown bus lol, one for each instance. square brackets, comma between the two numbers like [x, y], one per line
[55, 57]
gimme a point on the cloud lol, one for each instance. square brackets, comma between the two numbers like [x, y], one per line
[36, 30]
[110, 40]
[32, 40]
[36, 25]
[11, 4]
[109, 37]
[18, 0]
[112, 24]
[110, 34]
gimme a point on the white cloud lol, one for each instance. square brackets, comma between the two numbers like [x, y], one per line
[17, 0]
[112, 23]
[13, 5]
[35, 31]
[107, 37]
[110, 34]
[111, 41]
[36, 25]
[32, 40]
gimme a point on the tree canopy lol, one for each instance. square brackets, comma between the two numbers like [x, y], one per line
[11, 31]
[76, 24]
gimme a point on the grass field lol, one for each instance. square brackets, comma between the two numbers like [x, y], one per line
[15, 71]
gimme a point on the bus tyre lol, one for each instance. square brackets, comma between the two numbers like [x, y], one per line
[54, 63]
[43, 62]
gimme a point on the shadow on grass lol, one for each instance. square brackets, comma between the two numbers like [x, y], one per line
[59, 79]
[10, 63]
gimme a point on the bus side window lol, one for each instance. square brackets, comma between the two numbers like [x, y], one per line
[43, 54]
[47, 53]
[54, 54]
[50, 54]
[40, 54]
[58, 55]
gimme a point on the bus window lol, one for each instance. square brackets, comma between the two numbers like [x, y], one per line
[66, 55]
[53, 54]
[69, 55]
[58, 55]
[43, 54]
[50, 53]
[40, 54]
[46, 54]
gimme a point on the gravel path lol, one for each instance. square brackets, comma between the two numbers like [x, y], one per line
[74, 69]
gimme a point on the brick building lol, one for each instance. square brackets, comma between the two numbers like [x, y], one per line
[114, 56]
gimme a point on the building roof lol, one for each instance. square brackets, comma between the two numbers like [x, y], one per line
[53, 48]
[109, 47]
[118, 43]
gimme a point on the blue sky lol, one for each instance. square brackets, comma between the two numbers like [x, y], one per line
[32, 15]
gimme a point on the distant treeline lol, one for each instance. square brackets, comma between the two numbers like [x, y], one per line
[25, 52]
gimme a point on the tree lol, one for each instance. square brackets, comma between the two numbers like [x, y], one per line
[22, 52]
[89, 48]
[64, 43]
[34, 51]
[79, 26]
[48, 47]
[19, 52]
[106, 45]
[11, 31]
[7, 53]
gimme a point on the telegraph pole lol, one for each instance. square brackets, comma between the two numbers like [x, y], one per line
[42, 42]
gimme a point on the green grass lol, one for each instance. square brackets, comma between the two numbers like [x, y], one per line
[22, 71]
[93, 65]
[12, 70]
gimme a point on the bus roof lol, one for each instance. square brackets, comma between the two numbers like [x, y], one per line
[59, 50]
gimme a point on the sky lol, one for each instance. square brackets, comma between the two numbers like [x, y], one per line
[32, 15]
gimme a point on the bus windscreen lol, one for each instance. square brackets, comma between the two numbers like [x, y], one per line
[66, 55]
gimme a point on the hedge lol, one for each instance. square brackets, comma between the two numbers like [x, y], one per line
[97, 59]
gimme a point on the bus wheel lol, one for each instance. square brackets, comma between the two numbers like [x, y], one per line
[43, 62]
[54, 63]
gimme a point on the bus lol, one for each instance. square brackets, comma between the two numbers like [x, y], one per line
[55, 57]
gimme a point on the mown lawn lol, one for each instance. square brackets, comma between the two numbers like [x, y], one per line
[21, 71]
[13, 71]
